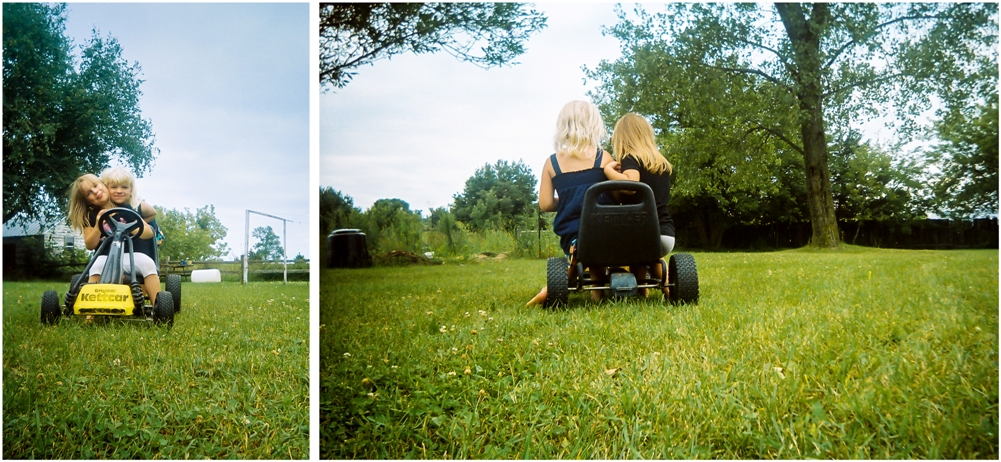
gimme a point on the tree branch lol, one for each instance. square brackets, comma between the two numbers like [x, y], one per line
[776, 133]
[874, 31]
[743, 70]
[775, 52]
[860, 83]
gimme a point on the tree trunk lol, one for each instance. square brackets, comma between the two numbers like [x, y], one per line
[818, 177]
[804, 34]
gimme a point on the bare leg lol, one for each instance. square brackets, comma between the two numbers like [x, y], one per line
[152, 287]
[658, 273]
[539, 298]
[597, 278]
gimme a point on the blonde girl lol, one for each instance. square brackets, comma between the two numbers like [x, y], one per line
[89, 198]
[634, 147]
[122, 187]
[577, 164]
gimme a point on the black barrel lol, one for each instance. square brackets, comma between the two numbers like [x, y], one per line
[346, 248]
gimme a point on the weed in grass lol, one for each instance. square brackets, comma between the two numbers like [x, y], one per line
[230, 380]
[858, 353]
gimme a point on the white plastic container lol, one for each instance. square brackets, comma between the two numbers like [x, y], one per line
[206, 275]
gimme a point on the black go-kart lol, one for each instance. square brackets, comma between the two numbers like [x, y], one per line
[615, 237]
[118, 294]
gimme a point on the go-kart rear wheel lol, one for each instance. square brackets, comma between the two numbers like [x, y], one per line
[163, 309]
[556, 282]
[684, 279]
[174, 287]
[50, 307]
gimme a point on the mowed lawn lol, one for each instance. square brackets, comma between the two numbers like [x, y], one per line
[849, 354]
[229, 380]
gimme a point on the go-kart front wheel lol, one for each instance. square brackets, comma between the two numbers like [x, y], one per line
[556, 282]
[50, 307]
[163, 309]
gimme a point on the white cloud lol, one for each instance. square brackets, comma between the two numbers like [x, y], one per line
[417, 127]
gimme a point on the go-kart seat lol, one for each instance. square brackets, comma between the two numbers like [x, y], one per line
[619, 234]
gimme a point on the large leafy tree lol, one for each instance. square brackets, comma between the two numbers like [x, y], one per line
[191, 235]
[817, 66]
[495, 196]
[727, 170]
[485, 34]
[60, 118]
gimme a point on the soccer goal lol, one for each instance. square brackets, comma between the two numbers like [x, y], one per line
[246, 245]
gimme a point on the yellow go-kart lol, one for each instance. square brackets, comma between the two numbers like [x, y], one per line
[119, 293]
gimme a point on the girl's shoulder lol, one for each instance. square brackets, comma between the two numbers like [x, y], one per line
[629, 161]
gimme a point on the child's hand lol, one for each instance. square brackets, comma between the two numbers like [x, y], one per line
[613, 166]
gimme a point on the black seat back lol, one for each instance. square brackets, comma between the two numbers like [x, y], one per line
[619, 235]
[148, 246]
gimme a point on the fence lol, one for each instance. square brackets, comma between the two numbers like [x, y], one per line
[917, 234]
[233, 270]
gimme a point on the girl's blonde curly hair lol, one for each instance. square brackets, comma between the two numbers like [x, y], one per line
[633, 136]
[578, 126]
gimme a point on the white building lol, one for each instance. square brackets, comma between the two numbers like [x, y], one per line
[19, 240]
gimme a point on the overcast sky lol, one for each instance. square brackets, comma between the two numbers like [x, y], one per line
[227, 90]
[416, 127]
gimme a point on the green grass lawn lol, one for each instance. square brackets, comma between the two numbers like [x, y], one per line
[230, 380]
[856, 353]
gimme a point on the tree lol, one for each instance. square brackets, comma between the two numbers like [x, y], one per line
[268, 246]
[337, 211]
[353, 34]
[967, 184]
[61, 120]
[727, 169]
[822, 64]
[390, 225]
[495, 196]
[443, 222]
[384, 212]
[870, 185]
[192, 236]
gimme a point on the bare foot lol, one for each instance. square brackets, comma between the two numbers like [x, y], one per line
[539, 298]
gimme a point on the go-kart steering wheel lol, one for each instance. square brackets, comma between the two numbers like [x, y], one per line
[109, 221]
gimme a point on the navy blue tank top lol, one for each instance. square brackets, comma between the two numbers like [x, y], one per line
[570, 188]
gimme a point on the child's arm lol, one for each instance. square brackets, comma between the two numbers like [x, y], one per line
[149, 213]
[547, 193]
[612, 172]
[91, 236]
[147, 232]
